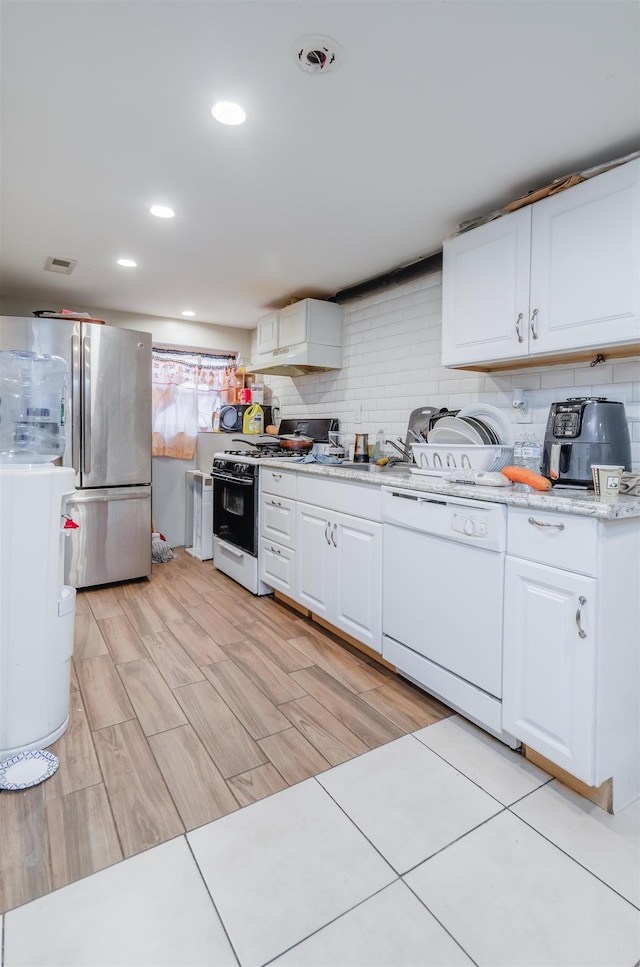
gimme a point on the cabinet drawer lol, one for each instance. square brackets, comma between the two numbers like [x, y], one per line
[280, 482]
[278, 566]
[278, 519]
[355, 498]
[560, 540]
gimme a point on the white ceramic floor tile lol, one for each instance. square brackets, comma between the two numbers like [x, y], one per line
[607, 845]
[281, 868]
[151, 909]
[392, 929]
[407, 801]
[492, 765]
[511, 898]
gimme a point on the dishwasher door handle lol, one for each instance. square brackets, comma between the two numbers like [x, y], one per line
[419, 499]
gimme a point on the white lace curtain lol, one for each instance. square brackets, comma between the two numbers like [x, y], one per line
[185, 392]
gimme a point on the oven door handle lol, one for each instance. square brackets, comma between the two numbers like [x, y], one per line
[241, 481]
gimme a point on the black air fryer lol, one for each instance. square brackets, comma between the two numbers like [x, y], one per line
[583, 431]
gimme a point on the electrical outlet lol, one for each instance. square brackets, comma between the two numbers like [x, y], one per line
[523, 413]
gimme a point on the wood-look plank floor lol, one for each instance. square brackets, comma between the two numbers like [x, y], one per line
[190, 698]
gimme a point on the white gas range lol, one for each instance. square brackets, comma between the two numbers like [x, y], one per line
[236, 523]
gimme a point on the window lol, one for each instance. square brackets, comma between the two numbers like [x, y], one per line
[187, 389]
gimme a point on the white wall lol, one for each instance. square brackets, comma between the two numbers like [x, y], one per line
[391, 366]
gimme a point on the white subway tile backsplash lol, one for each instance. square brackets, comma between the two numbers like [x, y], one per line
[528, 380]
[556, 377]
[587, 376]
[494, 382]
[626, 371]
[613, 391]
[633, 411]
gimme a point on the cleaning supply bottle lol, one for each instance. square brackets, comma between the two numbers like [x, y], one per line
[378, 450]
[253, 419]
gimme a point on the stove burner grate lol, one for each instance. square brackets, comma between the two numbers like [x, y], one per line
[262, 454]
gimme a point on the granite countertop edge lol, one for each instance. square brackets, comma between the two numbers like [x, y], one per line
[581, 503]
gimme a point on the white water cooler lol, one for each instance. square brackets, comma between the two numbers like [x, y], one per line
[37, 610]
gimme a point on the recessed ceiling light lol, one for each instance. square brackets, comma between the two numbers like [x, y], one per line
[188, 312]
[127, 263]
[162, 211]
[228, 113]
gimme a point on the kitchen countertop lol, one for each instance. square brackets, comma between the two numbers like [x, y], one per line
[579, 502]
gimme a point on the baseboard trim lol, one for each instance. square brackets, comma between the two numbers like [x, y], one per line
[600, 795]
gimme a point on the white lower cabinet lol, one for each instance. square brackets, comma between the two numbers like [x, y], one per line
[571, 661]
[278, 566]
[549, 671]
[277, 554]
[339, 571]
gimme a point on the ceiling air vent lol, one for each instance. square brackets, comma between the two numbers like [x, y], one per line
[317, 55]
[65, 266]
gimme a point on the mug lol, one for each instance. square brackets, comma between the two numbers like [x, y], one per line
[606, 481]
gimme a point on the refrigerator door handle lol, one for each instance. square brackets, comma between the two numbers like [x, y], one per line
[86, 403]
[98, 498]
[75, 402]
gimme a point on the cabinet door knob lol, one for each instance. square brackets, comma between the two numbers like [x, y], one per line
[276, 503]
[326, 533]
[534, 331]
[518, 327]
[333, 535]
[581, 603]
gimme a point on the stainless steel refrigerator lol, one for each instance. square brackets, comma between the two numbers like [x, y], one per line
[108, 442]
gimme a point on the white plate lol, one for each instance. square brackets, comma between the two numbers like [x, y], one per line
[455, 425]
[494, 417]
[446, 438]
[25, 769]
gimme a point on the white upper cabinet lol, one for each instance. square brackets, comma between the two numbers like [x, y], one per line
[307, 321]
[558, 276]
[303, 338]
[267, 335]
[485, 291]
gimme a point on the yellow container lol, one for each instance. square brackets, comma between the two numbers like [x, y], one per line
[253, 419]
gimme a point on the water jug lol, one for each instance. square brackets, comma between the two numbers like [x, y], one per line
[253, 419]
[32, 393]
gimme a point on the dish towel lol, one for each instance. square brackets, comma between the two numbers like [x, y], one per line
[630, 484]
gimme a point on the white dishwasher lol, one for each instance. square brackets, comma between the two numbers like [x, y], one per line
[443, 592]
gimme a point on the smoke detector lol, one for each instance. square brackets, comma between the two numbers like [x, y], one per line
[317, 55]
[65, 266]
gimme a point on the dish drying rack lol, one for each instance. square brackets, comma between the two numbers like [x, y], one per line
[436, 460]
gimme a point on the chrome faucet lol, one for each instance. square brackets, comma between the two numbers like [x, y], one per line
[401, 449]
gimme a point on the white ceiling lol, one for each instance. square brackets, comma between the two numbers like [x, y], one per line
[438, 111]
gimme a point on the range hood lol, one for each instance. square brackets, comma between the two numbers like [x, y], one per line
[298, 360]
